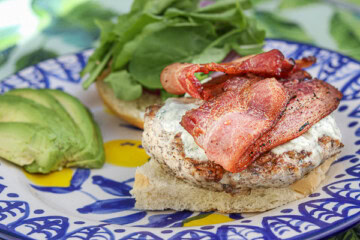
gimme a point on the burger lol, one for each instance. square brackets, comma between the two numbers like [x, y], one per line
[256, 137]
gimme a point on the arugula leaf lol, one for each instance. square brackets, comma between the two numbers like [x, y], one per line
[156, 33]
[128, 49]
[133, 24]
[244, 50]
[124, 31]
[214, 54]
[280, 27]
[349, 234]
[159, 6]
[225, 5]
[96, 70]
[296, 3]
[202, 76]
[106, 39]
[123, 85]
[128, 29]
[106, 30]
[344, 28]
[250, 40]
[188, 5]
[172, 44]
[211, 55]
[232, 16]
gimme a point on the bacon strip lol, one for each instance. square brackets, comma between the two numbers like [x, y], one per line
[313, 100]
[179, 78]
[172, 80]
[222, 83]
[227, 125]
[244, 114]
[304, 63]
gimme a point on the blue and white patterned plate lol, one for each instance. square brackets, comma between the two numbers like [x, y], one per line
[96, 204]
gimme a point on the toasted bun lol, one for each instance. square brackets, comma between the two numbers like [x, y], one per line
[155, 189]
[130, 111]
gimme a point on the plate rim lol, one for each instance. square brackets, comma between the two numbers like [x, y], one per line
[330, 230]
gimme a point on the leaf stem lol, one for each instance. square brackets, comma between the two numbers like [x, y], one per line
[97, 70]
[223, 37]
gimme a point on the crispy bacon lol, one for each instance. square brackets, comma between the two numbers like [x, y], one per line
[244, 113]
[170, 80]
[227, 125]
[312, 100]
[233, 138]
[226, 82]
[216, 85]
[304, 63]
[179, 78]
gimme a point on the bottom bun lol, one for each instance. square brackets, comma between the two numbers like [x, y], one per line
[130, 111]
[155, 189]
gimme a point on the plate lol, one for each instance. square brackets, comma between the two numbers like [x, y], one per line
[96, 204]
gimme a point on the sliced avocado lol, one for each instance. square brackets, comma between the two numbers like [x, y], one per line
[101, 152]
[92, 155]
[18, 109]
[36, 148]
[39, 97]
[45, 99]
[94, 160]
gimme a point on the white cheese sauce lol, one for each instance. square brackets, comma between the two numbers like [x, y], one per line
[309, 140]
[170, 116]
[171, 113]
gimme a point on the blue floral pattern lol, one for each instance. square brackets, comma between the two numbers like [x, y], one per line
[106, 209]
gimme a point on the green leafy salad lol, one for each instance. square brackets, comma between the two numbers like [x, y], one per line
[156, 33]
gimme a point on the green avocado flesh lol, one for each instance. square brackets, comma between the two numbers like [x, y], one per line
[93, 154]
[66, 126]
[46, 100]
[30, 145]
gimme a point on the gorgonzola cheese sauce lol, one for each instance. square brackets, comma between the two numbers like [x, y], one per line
[170, 117]
[171, 113]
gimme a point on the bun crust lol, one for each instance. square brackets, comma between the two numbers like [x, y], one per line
[155, 189]
[130, 111]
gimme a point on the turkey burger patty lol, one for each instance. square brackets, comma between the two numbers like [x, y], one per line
[167, 142]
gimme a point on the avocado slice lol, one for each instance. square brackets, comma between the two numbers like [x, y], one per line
[18, 109]
[92, 156]
[36, 148]
[78, 138]
[45, 99]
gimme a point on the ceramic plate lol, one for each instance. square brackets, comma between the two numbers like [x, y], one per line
[96, 204]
